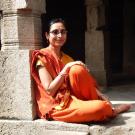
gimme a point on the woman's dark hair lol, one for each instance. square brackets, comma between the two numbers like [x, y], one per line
[47, 23]
[56, 20]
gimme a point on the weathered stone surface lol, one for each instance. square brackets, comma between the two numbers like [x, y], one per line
[21, 31]
[0, 29]
[16, 95]
[21, 24]
[94, 40]
[119, 126]
[108, 130]
[41, 127]
[35, 5]
[94, 51]
[7, 5]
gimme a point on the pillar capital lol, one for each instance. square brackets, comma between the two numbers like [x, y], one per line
[21, 24]
[93, 3]
[34, 5]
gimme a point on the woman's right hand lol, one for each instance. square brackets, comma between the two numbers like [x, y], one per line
[70, 64]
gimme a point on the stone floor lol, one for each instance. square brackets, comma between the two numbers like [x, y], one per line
[124, 124]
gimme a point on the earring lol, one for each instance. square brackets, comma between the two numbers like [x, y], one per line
[47, 41]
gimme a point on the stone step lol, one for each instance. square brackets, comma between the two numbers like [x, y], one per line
[41, 127]
[122, 125]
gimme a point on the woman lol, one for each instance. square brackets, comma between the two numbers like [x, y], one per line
[65, 90]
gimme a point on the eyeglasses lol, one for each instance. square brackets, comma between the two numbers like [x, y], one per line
[56, 32]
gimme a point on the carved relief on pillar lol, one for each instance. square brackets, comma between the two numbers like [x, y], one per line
[21, 24]
[94, 14]
[91, 19]
[35, 5]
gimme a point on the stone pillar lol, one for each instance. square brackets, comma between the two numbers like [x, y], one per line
[21, 32]
[16, 87]
[0, 31]
[21, 23]
[94, 40]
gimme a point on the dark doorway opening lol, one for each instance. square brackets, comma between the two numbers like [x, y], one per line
[118, 33]
[73, 12]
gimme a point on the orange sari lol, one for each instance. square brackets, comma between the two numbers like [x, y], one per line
[76, 100]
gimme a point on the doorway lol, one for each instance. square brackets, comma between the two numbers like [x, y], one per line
[120, 41]
[73, 12]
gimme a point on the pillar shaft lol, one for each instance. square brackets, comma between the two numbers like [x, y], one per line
[94, 40]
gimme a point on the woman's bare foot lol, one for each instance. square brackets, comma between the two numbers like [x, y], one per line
[122, 108]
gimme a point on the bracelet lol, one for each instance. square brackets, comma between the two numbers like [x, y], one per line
[63, 74]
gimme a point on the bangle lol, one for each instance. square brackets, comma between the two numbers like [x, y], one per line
[63, 74]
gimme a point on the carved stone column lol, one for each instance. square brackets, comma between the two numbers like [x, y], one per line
[0, 30]
[21, 24]
[20, 33]
[94, 40]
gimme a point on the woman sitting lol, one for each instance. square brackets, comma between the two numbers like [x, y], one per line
[65, 90]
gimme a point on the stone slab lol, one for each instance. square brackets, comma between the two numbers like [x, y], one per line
[41, 127]
[16, 94]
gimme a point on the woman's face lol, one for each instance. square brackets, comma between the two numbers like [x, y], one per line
[57, 35]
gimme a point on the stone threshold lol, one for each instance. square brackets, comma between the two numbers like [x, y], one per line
[122, 125]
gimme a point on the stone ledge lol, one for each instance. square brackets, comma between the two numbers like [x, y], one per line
[118, 130]
[42, 127]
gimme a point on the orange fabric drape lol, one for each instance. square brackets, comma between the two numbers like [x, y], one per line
[45, 102]
[84, 105]
[78, 94]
